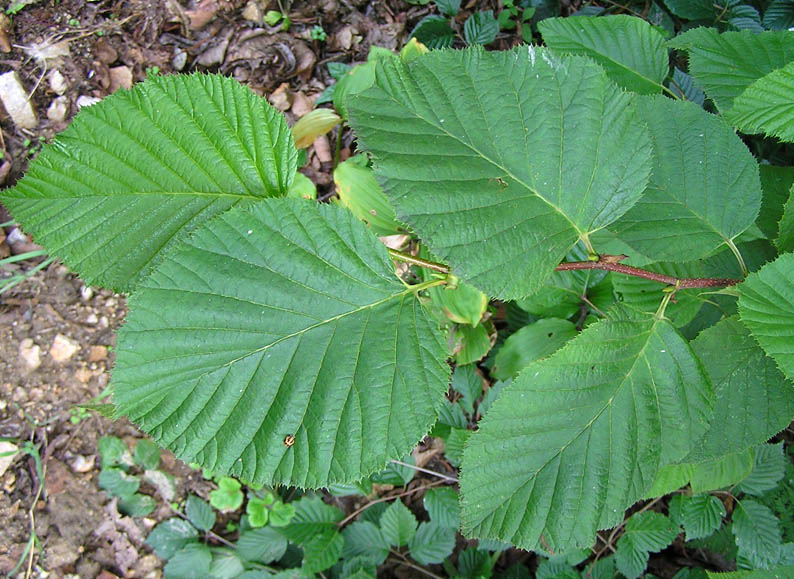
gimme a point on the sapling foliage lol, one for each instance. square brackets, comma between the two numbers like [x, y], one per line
[271, 339]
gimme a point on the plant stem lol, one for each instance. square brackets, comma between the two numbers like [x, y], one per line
[610, 263]
[427, 471]
[400, 256]
[738, 255]
[404, 561]
[357, 512]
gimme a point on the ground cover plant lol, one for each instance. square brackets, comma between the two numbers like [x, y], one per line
[597, 194]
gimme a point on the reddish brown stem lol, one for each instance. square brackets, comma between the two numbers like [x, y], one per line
[610, 263]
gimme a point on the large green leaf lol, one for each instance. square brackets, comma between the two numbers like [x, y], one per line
[592, 425]
[631, 51]
[766, 306]
[135, 172]
[704, 190]
[785, 237]
[725, 64]
[754, 401]
[767, 106]
[757, 532]
[505, 163]
[281, 319]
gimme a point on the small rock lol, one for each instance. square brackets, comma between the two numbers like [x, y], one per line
[30, 354]
[86, 293]
[97, 354]
[104, 322]
[15, 100]
[253, 12]
[8, 452]
[63, 348]
[120, 77]
[111, 303]
[86, 101]
[58, 109]
[83, 375]
[57, 82]
[180, 60]
[82, 463]
[92, 319]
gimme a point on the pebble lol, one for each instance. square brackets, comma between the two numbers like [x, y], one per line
[83, 375]
[6, 460]
[86, 101]
[58, 109]
[120, 77]
[15, 100]
[92, 319]
[30, 354]
[253, 12]
[180, 60]
[97, 354]
[82, 463]
[86, 293]
[57, 82]
[63, 348]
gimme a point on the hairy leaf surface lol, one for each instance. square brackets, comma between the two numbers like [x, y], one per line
[592, 424]
[501, 161]
[704, 190]
[281, 319]
[767, 106]
[631, 51]
[723, 65]
[136, 171]
[766, 306]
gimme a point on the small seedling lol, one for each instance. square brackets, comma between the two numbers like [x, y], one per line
[318, 33]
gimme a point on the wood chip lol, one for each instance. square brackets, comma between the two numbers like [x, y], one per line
[15, 100]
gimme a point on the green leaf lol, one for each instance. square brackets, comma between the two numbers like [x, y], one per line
[281, 514]
[724, 65]
[137, 505]
[785, 238]
[434, 32]
[766, 306]
[314, 529]
[443, 508]
[221, 371]
[471, 343]
[226, 565]
[322, 551]
[432, 543]
[454, 445]
[448, 7]
[631, 51]
[463, 304]
[263, 545]
[721, 472]
[604, 568]
[779, 15]
[467, 383]
[481, 28]
[114, 452]
[593, 423]
[691, 9]
[257, 512]
[134, 173]
[700, 515]
[199, 513]
[192, 561]
[704, 190]
[744, 380]
[359, 191]
[531, 343]
[556, 569]
[774, 573]
[644, 533]
[396, 474]
[147, 454]
[684, 87]
[488, 167]
[452, 415]
[398, 524]
[474, 564]
[228, 496]
[757, 533]
[170, 536]
[364, 538]
[117, 483]
[776, 183]
[767, 106]
[770, 465]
